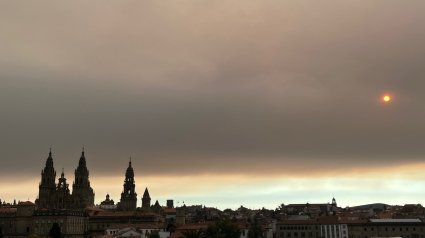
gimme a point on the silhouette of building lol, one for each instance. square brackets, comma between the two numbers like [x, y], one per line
[128, 200]
[58, 196]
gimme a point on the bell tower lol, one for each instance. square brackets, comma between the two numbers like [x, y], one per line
[128, 200]
[62, 196]
[146, 201]
[47, 186]
[81, 191]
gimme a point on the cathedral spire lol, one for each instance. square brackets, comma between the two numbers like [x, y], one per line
[146, 194]
[81, 188]
[82, 165]
[49, 169]
[129, 196]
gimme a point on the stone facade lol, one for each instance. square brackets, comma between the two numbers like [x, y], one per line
[25, 220]
[58, 196]
[128, 200]
[406, 228]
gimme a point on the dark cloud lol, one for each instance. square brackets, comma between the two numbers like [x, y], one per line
[211, 87]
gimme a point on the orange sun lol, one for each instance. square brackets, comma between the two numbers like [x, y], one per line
[386, 98]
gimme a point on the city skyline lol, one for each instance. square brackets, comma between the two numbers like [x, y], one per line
[192, 195]
[221, 103]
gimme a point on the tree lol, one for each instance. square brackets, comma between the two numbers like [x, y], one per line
[154, 234]
[55, 231]
[193, 234]
[223, 229]
[255, 231]
[171, 228]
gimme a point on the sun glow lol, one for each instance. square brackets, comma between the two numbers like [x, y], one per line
[386, 98]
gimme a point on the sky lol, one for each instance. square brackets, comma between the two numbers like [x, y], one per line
[220, 103]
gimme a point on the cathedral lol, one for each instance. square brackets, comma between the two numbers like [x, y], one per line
[54, 195]
[58, 196]
[128, 200]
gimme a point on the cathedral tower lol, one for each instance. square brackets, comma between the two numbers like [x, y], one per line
[62, 196]
[128, 200]
[47, 186]
[81, 191]
[146, 201]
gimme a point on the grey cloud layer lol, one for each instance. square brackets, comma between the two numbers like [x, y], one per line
[201, 86]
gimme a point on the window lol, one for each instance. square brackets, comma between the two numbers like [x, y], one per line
[281, 234]
[371, 229]
[310, 234]
[393, 228]
[36, 220]
[414, 228]
[365, 229]
[36, 230]
[295, 234]
[401, 229]
[386, 228]
[281, 228]
[302, 234]
[288, 234]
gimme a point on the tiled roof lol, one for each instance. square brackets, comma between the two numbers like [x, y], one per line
[353, 221]
[106, 236]
[194, 226]
[297, 222]
[176, 234]
[94, 209]
[140, 226]
[169, 210]
[7, 210]
[394, 220]
[27, 203]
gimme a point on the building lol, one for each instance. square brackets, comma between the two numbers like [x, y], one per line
[324, 227]
[128, 200]
[58, 196]
[108, 204]
[387, 227]
[100, 221]
[25, 220]
[146, 201]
